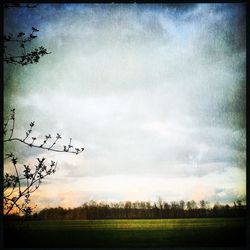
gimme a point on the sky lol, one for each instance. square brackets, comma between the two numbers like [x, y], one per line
[154, 93]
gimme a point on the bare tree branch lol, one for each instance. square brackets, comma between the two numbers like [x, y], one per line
[17, 196]
[24, 57]
[47, 137]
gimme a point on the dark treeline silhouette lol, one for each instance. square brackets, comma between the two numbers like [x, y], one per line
[142, 210]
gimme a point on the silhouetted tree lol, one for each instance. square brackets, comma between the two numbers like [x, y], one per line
[161, 205]
[182, 204]
[22, 180]
[121, 210]
[202, 204]
[16, 45]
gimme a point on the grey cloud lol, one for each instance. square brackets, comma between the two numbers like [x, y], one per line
[225, 195]
[146, 90]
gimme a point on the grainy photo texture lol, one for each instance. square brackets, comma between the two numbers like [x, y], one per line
[124, 125]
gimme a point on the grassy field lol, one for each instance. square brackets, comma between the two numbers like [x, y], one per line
[207, 232]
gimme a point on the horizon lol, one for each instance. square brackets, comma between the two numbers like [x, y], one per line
[209, 205]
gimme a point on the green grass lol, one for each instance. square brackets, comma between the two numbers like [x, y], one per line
[206, 232]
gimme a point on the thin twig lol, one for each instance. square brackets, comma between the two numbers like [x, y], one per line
[35, 146]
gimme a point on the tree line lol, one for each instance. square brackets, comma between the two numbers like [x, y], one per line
[142, 210]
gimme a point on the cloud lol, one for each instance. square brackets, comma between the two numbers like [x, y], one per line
[222, 187]
[148, 90]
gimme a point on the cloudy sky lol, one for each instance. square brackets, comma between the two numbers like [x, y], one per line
[155, 94]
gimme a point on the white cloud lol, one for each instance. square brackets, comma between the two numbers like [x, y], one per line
[146, 91]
